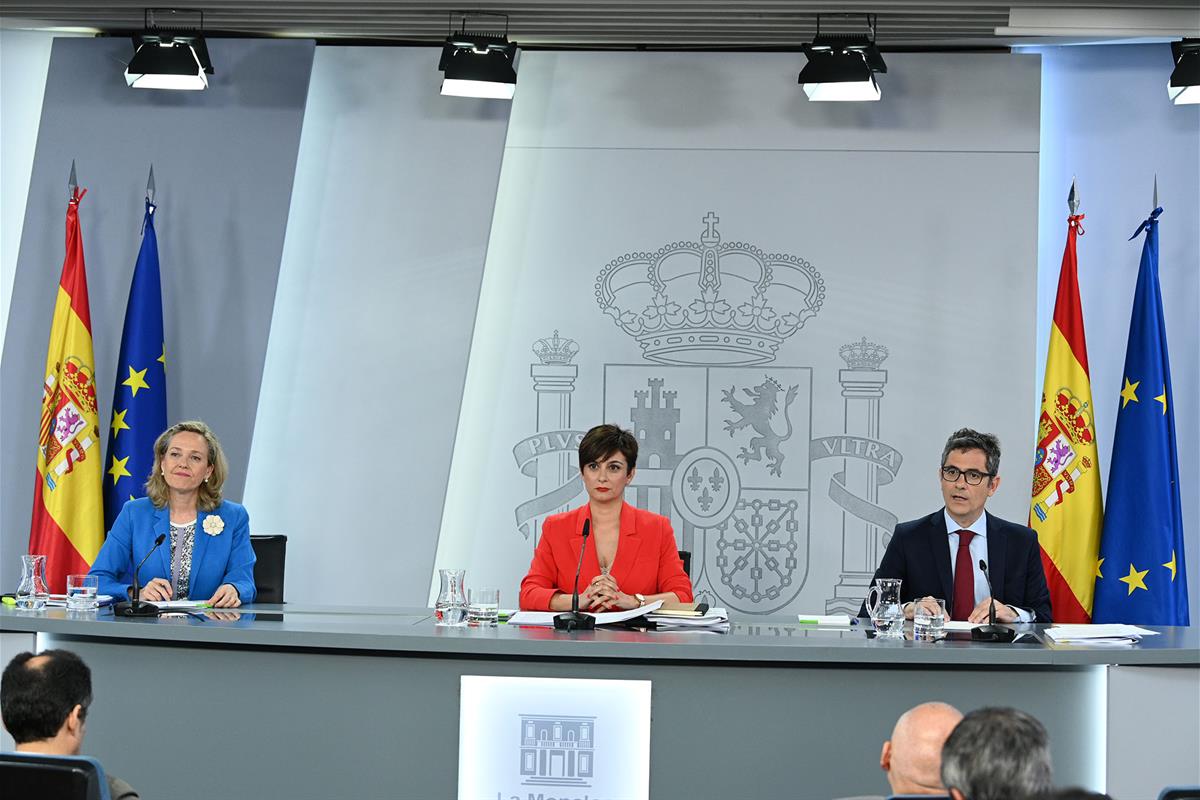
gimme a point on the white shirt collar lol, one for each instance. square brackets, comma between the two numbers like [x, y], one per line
[978, 527]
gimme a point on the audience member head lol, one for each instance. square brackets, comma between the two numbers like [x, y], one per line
[997, 754]
[912, 758]
[45, 699]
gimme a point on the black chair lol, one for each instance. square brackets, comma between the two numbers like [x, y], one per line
[686, 557]
[270, 550]
[60, 777]
[1180, 793]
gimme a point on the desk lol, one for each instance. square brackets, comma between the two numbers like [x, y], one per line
[326, 701]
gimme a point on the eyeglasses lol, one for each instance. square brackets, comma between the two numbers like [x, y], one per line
[972, 476]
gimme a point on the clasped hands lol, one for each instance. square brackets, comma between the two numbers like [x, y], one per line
[979, 614]
[160, 589]
[603, 594]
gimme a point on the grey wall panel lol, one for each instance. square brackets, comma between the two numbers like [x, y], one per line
[224, 160]
[377, 293]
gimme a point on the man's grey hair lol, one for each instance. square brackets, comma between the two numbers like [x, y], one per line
[997, 754]
[969, 439]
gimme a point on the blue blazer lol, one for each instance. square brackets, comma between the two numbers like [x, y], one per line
[918, 555]
[226, 557]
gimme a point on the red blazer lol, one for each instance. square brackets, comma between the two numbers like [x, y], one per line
[647, 560]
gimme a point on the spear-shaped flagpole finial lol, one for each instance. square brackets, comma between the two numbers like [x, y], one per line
[1073, 198]
[1155, 190]
[72, 183]
[150, 185]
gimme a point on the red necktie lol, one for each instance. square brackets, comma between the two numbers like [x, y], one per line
[964, 579]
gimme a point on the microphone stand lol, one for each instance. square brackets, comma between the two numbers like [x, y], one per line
[137, 607]
[573, 620]
[991, 632]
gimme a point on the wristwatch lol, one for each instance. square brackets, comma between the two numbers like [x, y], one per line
[641, 598]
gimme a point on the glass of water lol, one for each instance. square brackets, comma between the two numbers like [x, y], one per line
[929, 619]
[484, 608]
[81, 592]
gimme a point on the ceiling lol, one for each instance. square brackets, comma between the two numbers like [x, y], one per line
[689, 24]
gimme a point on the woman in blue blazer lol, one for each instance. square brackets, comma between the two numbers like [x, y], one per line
[206, 554]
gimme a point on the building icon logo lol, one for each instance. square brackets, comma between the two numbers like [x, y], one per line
[557, 750]
[725, 433]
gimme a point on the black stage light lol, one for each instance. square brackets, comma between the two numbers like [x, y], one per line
[842, 67]
[169, 57]
[478, 64]
[1184, 86]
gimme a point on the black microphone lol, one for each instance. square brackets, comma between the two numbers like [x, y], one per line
[991, 632]
[135, 607]
[572, 620]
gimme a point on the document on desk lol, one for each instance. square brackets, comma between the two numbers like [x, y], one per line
[545, 619]
[181, 605]
[713, 619]
[1104, 634]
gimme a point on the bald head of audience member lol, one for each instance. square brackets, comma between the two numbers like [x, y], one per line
[912, 758]
[45, 699]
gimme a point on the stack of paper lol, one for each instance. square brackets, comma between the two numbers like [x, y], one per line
[545, 619]
[1108, 634]
[715, 619]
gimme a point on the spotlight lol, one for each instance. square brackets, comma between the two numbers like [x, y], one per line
[478, 64]
[842, 66]
[169, 58]
[1184, 85]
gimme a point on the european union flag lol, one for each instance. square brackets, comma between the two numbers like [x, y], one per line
[139, 409]
[1140, 574]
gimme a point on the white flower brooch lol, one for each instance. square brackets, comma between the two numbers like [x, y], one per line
[213, 525]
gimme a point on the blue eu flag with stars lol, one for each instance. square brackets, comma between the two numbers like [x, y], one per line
[139, 408]
[1140, 575]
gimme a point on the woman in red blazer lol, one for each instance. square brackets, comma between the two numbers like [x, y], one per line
[631, 557]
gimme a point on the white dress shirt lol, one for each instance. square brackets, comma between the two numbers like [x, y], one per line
[979, 552]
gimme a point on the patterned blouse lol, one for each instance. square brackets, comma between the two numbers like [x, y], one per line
[184, 537]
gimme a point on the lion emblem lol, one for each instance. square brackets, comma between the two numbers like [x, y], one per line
[758, 414]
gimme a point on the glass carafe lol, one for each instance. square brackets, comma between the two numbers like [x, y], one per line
[885, 608]
[451, 606]
[32, 593]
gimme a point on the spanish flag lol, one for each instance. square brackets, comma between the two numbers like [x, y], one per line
[68, 519]
[1066, 506]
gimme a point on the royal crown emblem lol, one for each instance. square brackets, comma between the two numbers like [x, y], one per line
[555, 350]
[710, 302]
[863, 355]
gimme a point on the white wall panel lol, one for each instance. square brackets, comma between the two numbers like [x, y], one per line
[368, 346]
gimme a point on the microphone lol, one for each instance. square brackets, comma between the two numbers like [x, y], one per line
[991, 632]
[572, 620]
[135, 607]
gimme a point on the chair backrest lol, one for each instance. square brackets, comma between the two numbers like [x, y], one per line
[686, 557]
[60, 777]
[270, 550]
[1180, 793]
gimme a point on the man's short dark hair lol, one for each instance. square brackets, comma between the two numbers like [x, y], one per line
[997, 754]
[603, 440]
[969, 439]
[37, 699]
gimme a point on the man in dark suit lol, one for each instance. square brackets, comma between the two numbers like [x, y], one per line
[938, 556]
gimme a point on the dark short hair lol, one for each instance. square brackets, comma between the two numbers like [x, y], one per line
[997, 754]
[37, 700]
[969, 439]
[603, 440]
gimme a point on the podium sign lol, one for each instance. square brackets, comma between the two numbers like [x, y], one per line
[553, 739]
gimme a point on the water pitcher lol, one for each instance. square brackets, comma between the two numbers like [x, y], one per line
[885, 608]
[32, 593]
[451, 606]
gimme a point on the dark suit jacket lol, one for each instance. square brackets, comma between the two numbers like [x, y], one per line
[919, 555]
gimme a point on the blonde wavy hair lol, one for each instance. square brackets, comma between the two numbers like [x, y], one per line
[209, 493]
